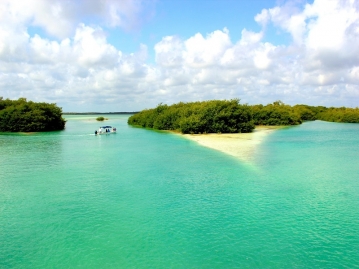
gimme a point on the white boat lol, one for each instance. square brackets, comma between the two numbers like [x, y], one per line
[105, 130]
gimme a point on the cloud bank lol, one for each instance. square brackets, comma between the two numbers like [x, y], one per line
[75, 66]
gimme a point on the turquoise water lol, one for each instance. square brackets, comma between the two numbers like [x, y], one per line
[147, 199]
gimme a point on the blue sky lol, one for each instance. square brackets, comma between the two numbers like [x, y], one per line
[127, 55]
[186, 18]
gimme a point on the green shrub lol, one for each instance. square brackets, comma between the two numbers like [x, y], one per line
[277, 113]
[27, 116]
[197, 117]
[231, 117]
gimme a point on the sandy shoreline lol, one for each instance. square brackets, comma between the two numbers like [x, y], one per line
[242, 146]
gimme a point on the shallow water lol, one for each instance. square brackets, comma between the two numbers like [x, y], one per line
[147, 199]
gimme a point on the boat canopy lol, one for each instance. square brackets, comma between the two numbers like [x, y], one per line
[105, 127]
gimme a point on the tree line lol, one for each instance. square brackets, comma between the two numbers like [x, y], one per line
[229, 116]
[215, 116]
[27, 116]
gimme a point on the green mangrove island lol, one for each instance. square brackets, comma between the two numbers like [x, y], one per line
[27, 116]
[101, 118]
[214, 116]
[229, 116]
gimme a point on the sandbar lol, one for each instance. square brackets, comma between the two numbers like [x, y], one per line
[240, 145]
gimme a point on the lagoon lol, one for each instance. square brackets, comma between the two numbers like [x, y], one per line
[149, 199]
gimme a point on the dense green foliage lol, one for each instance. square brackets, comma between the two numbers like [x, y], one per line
[341, 114]
[27, 116]
[308, 113]
[100, 118]
[281, 114]
[231, 117]
[333, 114]
[277, 113]
[197, 117]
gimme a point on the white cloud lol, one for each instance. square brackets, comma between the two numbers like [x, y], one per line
[202, 52]
[262, 18]
[91, 47]
[80, 69]
[60, 18]
[169, 52]
[249, 37]
[262, 59]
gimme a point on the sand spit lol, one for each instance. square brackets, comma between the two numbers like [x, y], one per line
[242, 146]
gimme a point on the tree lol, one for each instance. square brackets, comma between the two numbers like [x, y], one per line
[277, 113]
[213, 116]
[27, 116]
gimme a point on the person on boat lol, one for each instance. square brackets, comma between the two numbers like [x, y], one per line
[96, 132]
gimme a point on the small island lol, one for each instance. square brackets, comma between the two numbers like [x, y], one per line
[27, 116]
[232, 128]
[229, 116]
[101, 118]
[215, 116]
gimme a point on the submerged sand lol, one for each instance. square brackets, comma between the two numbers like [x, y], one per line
[242, 145]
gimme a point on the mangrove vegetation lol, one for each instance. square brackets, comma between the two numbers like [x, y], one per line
[27, 116]
[198, 117]
[277, 113]
[229, 116]
[101, 118]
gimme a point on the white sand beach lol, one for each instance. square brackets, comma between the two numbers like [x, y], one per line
[242, 145]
